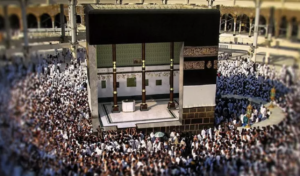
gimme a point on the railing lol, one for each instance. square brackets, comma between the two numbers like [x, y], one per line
[53, 32]
[40, 33]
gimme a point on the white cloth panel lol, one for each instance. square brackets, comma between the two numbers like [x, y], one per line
[198, 96]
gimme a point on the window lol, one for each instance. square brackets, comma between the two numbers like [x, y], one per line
[147, 82]
[158, 82]
[131, 82]
[103, 84]
[118, 84]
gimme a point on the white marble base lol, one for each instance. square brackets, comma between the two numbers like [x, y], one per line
[128, 106]
[158, 112]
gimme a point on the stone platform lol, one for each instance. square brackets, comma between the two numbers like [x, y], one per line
[157, 113]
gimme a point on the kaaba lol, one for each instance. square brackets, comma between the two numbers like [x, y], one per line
[197, 31]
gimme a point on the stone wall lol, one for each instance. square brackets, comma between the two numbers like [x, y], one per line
[193, 120]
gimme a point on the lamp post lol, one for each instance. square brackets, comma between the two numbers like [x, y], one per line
[249, 112]
[272, 97]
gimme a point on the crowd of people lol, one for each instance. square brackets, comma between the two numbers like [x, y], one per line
[232, 110]
[46, 129]
[246, 78]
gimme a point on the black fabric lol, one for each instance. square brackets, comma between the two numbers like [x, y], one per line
[138, 97]
[200, 77]
[194, 27]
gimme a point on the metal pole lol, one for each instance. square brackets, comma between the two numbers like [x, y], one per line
[225, 25]
[171, 104]
[143, 106]
[270, 25]
[24, 19]
[256, 22]
[73, 27]
[210, 3]
[267, 56]
[25, 32]
[39, 22]
[298, 33]
[115, 107]
[267, 29]
[234, 26]
[289, 29]
[53, 21]
[62, 23]
[250, 27]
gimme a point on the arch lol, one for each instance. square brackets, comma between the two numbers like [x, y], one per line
[46, 21]
[262, 22]
[14, 22]
[230, 22]
[244, 21]
[2, 25]
[250, 27]
[57, 20]
[294, 27]
[228, 19]
[32, 21]
[78, 19]
[283, 26]
[238, 22]
[223, 22]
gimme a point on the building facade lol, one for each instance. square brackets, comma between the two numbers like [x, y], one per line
[39, 16]
[285, 22]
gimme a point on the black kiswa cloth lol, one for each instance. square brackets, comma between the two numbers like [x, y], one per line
[194, 27]
[204, 76]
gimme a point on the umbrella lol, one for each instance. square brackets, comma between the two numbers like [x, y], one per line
[159, 134]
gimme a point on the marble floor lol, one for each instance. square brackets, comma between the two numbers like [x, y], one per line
[157, 112]
[275, 118]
